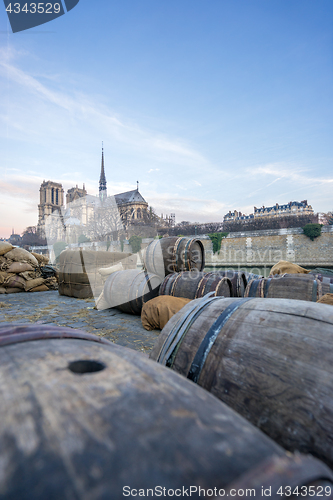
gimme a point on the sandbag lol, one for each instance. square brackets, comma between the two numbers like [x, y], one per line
[3, 277]
[157, 312]
[51, 283]
[326, 299]
[21, 255]
[2, 290]
[42, 259]
[41, 288]
[30, 275]
[283, 267]
[29, 285]
[14, 290]
[5, 247]
[19, 267]
[15, 282]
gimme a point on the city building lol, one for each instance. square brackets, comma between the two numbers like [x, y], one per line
[291, 208]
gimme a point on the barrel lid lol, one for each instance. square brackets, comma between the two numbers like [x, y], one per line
[17, 332]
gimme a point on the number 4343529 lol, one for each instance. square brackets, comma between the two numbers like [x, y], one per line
[34, 8]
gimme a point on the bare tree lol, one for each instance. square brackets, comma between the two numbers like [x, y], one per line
[104, 223]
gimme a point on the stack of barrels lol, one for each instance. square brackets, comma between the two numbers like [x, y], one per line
[266, 356]
[83, 418]
[128, 290]
[182, 260]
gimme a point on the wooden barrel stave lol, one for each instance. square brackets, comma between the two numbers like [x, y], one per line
[271, 362]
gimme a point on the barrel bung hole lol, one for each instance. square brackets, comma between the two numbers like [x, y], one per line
[86, 366]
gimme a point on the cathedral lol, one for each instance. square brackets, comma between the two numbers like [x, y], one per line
[84, 213]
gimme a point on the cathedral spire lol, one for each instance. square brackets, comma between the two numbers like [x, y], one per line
[102, 179]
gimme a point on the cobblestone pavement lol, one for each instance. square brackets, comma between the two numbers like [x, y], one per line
[54, 309]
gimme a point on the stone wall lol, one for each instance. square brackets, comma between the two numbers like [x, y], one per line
[265, 248]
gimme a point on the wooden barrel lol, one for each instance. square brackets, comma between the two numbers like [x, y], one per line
[128, 290]
[193, 284]
[82, 419]
[173, 255]
[79, 276]
[238, 281]
[271, 360]
[288, 286]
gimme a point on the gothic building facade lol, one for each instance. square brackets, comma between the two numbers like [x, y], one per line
[59, 222]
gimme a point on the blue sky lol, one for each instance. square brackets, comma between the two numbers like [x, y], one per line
[212, 106]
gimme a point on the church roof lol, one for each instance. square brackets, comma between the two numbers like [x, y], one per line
[129, 197]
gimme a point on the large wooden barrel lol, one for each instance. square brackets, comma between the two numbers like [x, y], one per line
[288, 286]
[193, 284]
[271, 360]
[128, 290]
[86, 420]
[79, 276]
[173, 255]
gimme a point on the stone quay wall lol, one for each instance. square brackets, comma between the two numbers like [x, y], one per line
[265, 248]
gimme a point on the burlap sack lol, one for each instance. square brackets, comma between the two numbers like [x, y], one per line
[157, 312]
[21, 255]
[29, 285]
[284, 267]
[41, 288]
[79, 276]
[5, 247]
[2, 290]
[14, 290]
[326, 299]
[42, 259]
[19, 267]
[4, 276]
[51, 283]
[15, 282]
[30, 275]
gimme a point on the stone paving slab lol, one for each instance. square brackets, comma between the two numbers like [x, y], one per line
[54, 309]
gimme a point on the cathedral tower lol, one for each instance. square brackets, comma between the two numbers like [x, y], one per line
[102, 180]
[51, 200]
